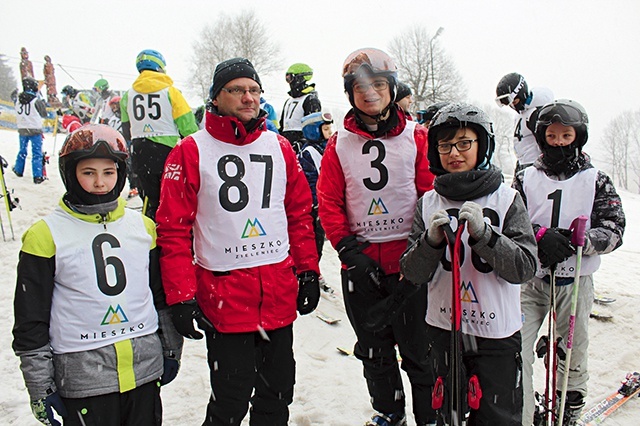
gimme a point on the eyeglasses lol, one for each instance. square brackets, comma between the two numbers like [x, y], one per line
[239, 92]
[568, 115]
[461, 146]
[378, 86]
[327, 117]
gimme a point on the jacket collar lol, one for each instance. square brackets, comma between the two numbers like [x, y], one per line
[351, 124]
[229, 129]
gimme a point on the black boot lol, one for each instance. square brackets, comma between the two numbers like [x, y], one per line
[572, 407]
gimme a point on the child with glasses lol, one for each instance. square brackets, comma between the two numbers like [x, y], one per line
[561, 185]
[372, 174]
[498, 254]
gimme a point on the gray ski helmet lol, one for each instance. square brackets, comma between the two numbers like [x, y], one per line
[511, 87]
[459, 115]
[566, 112]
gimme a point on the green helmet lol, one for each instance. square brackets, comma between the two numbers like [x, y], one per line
[300, 69]
[101, 85]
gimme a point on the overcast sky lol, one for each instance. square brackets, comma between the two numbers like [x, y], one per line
[586, 50]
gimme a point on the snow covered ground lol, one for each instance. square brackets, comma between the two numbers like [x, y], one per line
[330, 389]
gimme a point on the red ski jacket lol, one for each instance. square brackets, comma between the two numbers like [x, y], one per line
[331, 186]
[240, 300]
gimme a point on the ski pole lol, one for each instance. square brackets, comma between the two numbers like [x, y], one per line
[5, 193]
[577, 227]
[456, 410]
[550, 343]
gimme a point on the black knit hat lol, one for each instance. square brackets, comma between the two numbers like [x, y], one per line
[230, 70]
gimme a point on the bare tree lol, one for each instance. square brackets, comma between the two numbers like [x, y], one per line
[426, 68]
[228, 37]
[622, 143]
[7, 80]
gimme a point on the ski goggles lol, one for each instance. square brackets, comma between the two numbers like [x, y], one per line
[327, 117]
[290, 77]
[93, 138]
[508, 98]
[563, 113]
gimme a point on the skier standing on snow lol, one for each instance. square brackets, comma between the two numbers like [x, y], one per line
[92, 328]
[513, 90]
[303, 100]
[155, 116]
[499, 254]
[372, 175]
[30, 110]
[562, 185]
[234, 195]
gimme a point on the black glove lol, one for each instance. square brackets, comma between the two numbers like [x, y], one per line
[308, 292]
[171, 367]
[555, 247]
[183, 315]
[360, 267]
[42, 411]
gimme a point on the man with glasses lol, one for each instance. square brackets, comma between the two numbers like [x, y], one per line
[234, 195]
[303, 101]
[512, 90]
[373, 172]
[155, 116]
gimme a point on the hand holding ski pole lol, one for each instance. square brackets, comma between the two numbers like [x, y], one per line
[435, 233]
[472, 213]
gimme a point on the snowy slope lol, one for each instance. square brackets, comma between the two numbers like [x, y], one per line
[330, 389]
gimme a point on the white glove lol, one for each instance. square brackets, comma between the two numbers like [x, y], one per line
[435, 233]
[472, 213]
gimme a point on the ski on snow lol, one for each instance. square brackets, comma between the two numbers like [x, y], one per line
[596, 415]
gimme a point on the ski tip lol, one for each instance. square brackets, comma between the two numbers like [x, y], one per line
[344, 351]
[601, 316]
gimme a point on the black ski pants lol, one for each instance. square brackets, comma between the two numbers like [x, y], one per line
[138, 407]
[377, 351]
[246, 367]
[147, 162]
[498, 366]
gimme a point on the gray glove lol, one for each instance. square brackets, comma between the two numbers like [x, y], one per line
[472, 213]
[435, 233]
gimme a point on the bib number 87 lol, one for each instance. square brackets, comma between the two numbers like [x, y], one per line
[232, 183]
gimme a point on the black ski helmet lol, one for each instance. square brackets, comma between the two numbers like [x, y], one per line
[92, 141]
[368, 62]
[459, 115]
[69, 91]
[29, 84]
[566, 112]
[511, 87]
[427, 114]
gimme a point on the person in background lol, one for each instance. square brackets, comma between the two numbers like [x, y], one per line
[103, 112]
[499, 254]
[372, 174]
[303, 100]
[77, 103]
[155, 116]
[316, 129]
[272, 117]
[513, 90]
[30, 110]
[234, 195]
[92, 328]
[561, 185]
[425, 116]
[404, 99]
[116, 123]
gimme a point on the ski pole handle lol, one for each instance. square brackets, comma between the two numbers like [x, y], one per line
[578, 227]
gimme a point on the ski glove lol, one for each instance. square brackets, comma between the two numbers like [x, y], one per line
[555, 247]
[308, 292]
[472, 213]
[171, 367]
[360, 267]
[435, 233]
[42, 409]
[183, 315]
